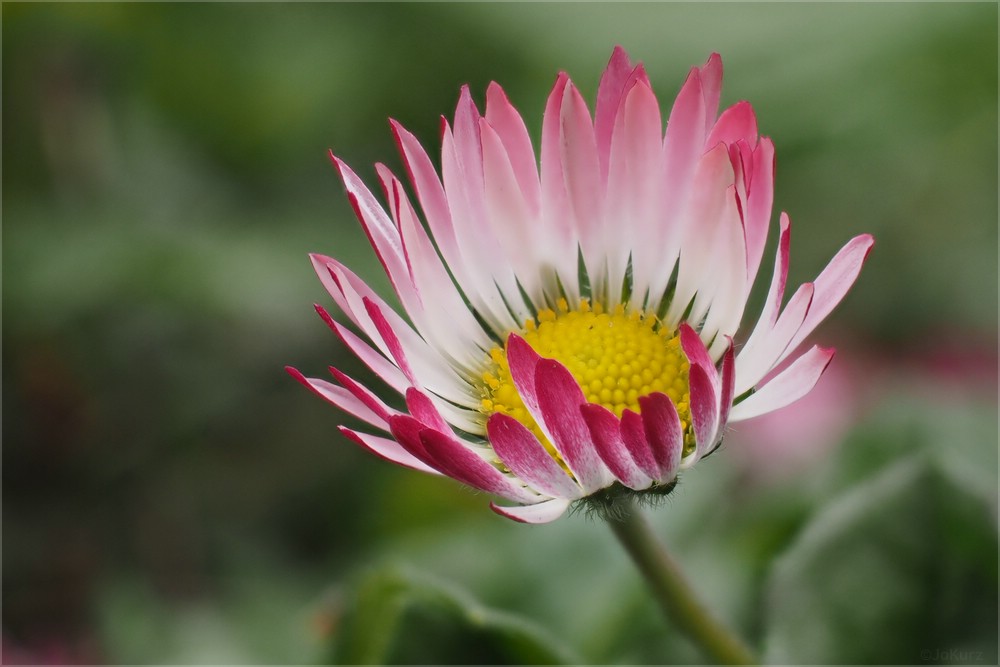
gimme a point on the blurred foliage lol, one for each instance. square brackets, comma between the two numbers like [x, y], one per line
[169, 495]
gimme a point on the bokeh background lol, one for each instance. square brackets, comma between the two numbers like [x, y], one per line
[171, 496]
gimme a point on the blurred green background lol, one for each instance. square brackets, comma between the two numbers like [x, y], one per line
[171, 496]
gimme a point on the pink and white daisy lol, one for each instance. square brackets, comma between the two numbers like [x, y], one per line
[569, 327]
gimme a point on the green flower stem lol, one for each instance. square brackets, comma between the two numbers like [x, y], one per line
[673, 592]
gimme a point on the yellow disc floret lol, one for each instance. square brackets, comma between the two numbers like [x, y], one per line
[616, 357]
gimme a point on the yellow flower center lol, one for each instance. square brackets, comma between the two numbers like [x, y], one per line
[616, 357]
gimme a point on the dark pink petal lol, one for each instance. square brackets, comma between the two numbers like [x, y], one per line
[520, 451]
[390, 450]
[340, 398]
[363, 394]
[663, 432]
[406, 430]
[634, 437]
[421, 407]
[704, 407]
[523, 360]
[834, 282]
[382, 233]
[559, 401]
[379, 365]
[507, 122]
[605, 430]
[458, 461]
[389, 338]
[787, 386]
[695, 350]
[776, 292]
[425, 363]
[543, 512]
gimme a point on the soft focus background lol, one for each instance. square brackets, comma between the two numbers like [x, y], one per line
[171, 496]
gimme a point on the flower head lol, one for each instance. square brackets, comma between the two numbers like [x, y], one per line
[570, 326]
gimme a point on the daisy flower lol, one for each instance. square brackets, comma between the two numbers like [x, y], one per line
[568, 324]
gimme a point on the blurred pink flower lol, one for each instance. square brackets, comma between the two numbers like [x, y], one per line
[570, 327]
[784, 442]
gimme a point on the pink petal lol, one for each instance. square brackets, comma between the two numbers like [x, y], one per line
[617, 79]
[737, 122]
[382, 233]
[461, 336]
[460, 462]
[663, 432]
[767, 346]
[711, 84]
[390, 450]
[710, 199]
[787, 386]
[605, 429]
[582, 173]
[558, 228]
[507, 122]
[833, 284]
[431, 195]
[508, 213]
[543, 512]
[489, 273]
[634, 189]
[634, 437]
[559, 400]
[520, 451]
[609, 94]
[685, 139]
[760, 198]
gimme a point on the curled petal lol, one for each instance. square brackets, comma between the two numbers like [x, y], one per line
[559, 401]
[390, 450]
[543, 512]
[519, 450]
[605, 429]
[787, 386]
[663, 431]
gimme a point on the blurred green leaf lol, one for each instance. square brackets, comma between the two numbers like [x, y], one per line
[900, 569]
[402, 617]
